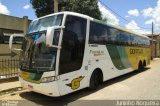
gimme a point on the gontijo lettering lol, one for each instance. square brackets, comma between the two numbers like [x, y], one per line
[136, 51]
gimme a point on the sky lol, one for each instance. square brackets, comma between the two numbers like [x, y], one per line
[136, 15]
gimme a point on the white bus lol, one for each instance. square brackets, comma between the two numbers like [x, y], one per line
[66, 51]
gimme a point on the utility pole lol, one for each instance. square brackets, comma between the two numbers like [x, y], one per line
[55, 6]
[152, 41]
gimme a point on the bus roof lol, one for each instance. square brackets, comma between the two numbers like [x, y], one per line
[67, 12]
[93, 19]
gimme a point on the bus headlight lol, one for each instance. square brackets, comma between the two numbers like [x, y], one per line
[48, 79]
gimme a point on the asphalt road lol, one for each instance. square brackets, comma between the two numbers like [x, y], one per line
[143, 85]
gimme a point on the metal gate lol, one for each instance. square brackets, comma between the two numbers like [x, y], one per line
[9, 68]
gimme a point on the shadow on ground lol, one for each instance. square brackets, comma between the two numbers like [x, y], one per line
[43, 100]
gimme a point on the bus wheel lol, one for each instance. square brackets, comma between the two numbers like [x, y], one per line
[96, 79]
[140, 66]
[144, 63]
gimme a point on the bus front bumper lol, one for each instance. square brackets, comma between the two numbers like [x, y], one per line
[49, 89]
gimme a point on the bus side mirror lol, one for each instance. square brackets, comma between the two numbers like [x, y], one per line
[11, 39]
[50, 36]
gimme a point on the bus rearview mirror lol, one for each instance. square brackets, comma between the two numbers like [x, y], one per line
[11, 41]
[50, 36]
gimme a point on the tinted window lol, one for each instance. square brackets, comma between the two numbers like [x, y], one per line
[113, 35]
[1, 37]
[103, 34]
[98, 33]
[17, 39]
[123, 38]
[73, 44]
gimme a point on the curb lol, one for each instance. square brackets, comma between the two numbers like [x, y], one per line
[10, 91]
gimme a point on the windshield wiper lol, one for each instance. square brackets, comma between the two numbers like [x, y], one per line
[30, 70]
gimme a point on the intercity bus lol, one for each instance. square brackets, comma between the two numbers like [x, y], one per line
[66, 51]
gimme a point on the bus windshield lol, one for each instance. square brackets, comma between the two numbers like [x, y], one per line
[44, 23]
[36, 56]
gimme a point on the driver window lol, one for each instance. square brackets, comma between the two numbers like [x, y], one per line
[73, 44]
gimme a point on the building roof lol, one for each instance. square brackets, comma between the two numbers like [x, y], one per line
[149, 35]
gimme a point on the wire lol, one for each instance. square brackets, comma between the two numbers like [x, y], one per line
[118, 14]
[113, 11]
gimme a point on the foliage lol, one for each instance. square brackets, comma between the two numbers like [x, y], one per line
[42, 7]
[87, 7]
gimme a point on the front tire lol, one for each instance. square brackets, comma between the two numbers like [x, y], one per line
[94, 81]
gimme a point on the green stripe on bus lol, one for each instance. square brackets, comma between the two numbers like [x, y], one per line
[123, 56]
[115, 57]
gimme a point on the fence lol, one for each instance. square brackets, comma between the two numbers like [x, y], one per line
[9, 68]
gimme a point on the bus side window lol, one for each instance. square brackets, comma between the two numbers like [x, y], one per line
[124, 38]
[113, 35]
[98, 33]
[133, 40]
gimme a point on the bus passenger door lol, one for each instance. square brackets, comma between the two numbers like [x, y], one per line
[71, 72]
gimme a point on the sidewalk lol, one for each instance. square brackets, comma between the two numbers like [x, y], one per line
[155, 59]
[9, 85]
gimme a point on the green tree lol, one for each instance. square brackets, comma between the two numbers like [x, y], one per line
[88, 7]
[42, 7]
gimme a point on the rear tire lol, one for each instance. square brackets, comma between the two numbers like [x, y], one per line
[144, 63]
[140, 66]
